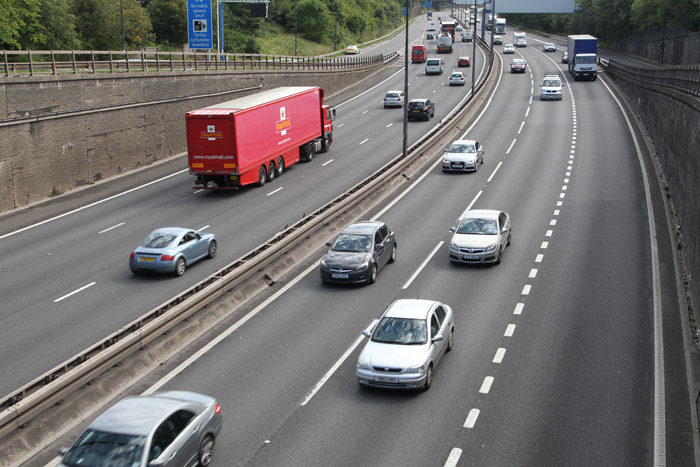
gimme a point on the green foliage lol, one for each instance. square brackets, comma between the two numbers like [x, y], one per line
[98, 23]
[240, 29]
[169, 19]
[313, 20]
[19, 22]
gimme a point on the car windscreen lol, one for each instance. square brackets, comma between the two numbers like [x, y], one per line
[99, 448]
[354, 243]
[478, 227]
[586, 60]
[550, 83]
[159, 240]
[462, 148]
[403, 331]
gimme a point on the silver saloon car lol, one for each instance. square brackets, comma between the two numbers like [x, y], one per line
[358, 253]
[406, 345]
[463, 155]
[171, 250]
[480, 237]
[168, 429]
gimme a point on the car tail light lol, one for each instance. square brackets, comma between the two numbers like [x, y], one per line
[167, 258]
[385, 99]
[217, 409]
[133, 255]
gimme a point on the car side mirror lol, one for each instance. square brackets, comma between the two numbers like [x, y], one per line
[366, 333]
[437, 338]
[156, 463]
[453, 229]
[62, 451]
[445, 150]
[328, 243]
[333, 113]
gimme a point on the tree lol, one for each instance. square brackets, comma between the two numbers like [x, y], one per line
[169, 20]
[314, 20]
[98, 23]
[19, 21]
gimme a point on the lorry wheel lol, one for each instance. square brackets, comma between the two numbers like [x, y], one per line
[280, 167]
[310, 153]
[271, 173]
[326, 145]
[263, 176]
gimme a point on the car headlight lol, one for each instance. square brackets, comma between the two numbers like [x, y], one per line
[445, 161]
[362, 266]
[323, 263]
[490, 248]
[415, 369]
[362, 365]
[454, 247]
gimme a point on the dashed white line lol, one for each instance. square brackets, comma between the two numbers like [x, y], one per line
[471, 204]
[500, 353]
[556, 212]
[518, 309]
[274, 191]
[364, 141]
[389, 125]
[540, 257]
[526, 289]
[341, 123]
[494, 171]
[553, 222]
[533, 273]
[527, 112]
[511, 146]
[74, 292]
[510, 329]
[420, 268]
[471, 418]
[544, 245]
[110, 228]
[203, 228]
[453, 458]
[327, 162]
[521, 127]
[365, 112]
[486, 385]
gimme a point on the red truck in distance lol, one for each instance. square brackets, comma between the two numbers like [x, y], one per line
[255, 138]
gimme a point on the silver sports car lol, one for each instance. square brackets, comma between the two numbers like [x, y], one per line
[171, 250]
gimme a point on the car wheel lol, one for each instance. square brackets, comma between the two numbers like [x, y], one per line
[212, 249]
[450, 340]
[262, 176]
[476, 166]
[180, 267]
[428, 378]
[133, 271]
[206, 451]
[280, 167]
[498, 258]
[373, 274]
[392, 258]
[509, 239]
[271, 173]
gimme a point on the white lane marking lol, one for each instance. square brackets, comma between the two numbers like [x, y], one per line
[511, 146]
[526, 289]
[553, 222]
[533, 273]
[518, 308]
[337, 364]
[560, 203]
[110, 228]
[74, 292]
[327, 162]
[274, 191]
[453, 458]
[471, 418]
[544, 246]
[422, 266]
[562, 195]
[365, 112]
[441, 84]
[530, 100]
[510, 329]
[364, 141]
[659, 379]
[527, 112]
[110, 198]
[521, 127]
[494, 171]
[198, 191]
[486, 385]
[471, 204]
[203, 228]
[556, 212]
[539, 257]
[400, 70]
[389, 125]
[341, 123]
[548, 233]
[500, 353]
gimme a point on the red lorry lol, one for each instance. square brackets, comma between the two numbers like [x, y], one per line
[254, 138]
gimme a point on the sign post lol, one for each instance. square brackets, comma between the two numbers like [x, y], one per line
[199, 26]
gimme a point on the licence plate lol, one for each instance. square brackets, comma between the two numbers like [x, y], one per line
[458, 165]
[470, 257]
[339, 276]
[146, 260]
[386, 379]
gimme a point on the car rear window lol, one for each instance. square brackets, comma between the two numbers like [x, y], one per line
[433, 62]
[392, 94]
[159, 240]
[415, 105]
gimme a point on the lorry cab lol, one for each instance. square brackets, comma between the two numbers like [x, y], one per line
[419, 53]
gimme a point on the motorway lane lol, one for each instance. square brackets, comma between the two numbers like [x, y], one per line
[87, 251]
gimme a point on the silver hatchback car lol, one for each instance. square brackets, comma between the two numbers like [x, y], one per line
[464, 155]
[407, 343]
[173, 429]
[480, 237]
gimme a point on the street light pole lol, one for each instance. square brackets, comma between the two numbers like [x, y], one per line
[121, 11]
[296, 29]
[473, 64]
[405, 90]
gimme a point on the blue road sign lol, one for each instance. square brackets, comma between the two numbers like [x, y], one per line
[199, 26]
[426, 5]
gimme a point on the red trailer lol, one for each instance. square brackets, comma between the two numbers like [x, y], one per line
[255, 138]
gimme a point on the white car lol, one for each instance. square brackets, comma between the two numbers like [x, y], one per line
[352, 50]
[551, 88]
[508, 49]
[393, 99]
[406, 345]
[459, 28]
[463, 155]
[480, 237]
[457, 79]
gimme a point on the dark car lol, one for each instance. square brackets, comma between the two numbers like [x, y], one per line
[518, 65]
[169, 429]
[358, 253]
[421, 108]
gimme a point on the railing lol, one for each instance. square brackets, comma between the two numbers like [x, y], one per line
[683, 78]
[54, 62]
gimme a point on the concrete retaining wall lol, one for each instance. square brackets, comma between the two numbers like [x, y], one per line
[61, 132]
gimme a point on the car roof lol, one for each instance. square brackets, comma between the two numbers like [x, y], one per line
[363, 227]
[464, 141]
[393, 91]
[138, 415]
[418, 100]
[173, 230]
[457, 73]
[518, 60]
[410, 308]
[463, 57]
[482, 214]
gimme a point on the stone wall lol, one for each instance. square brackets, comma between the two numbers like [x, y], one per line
[672, 120]
[61, 132]
[680, 47]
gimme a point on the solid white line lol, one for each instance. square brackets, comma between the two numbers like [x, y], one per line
[327, 162]
[511, 146]
[274, 191]
[500, 353]
[486, 385]
[453, 458]
[510, 329]
[92, 204]
[110, 228]
[470, 205]
[203, 228]
[422, 266]
[518, 308]
[364, 141]
[471, 418]
[521, 127]
[75, 292]
[494, 171]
